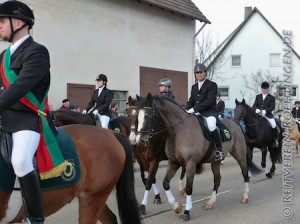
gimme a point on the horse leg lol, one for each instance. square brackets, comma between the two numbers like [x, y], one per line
[151, 180]
[263, 162]
[215, 167]
[190, 173]
[181, 187]
[172, 167]
[107, 216]
[142, 170]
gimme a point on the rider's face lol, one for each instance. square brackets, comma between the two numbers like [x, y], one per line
[265, 91]
[200, 76]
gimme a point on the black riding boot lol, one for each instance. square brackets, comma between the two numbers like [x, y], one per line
[32, 198]
[275, 136]
[219, 154]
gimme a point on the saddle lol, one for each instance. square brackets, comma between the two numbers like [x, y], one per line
[113, 124]
[69, 177]
[222, 129]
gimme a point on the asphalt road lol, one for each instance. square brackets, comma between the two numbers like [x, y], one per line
[264, 207]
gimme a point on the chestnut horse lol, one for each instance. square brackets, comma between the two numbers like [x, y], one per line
[106, 162]
[295, 134]
[186, 146]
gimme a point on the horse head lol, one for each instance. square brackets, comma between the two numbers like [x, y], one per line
[242, 111]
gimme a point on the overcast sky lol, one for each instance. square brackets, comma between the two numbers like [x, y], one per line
[226, 15]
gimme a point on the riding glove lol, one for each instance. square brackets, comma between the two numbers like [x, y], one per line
[263, 112]
[95, 112]
[190, 111]
[257, 111]
[84, 111]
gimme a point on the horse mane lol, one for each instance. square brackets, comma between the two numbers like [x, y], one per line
[161, 99]
[248, 108]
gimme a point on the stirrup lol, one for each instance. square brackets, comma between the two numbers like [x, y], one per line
[219, 155]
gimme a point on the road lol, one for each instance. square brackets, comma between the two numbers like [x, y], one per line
[264, 205]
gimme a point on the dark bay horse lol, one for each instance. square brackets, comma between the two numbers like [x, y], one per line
[149, 154]
[186, 146]
[258, 133]
[95, 146]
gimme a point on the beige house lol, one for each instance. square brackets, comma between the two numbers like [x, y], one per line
[134, 43]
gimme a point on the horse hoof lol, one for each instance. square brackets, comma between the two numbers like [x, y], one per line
[177, 207]
[157, 201]
[208, 207]
[185, 217]
[142, 209]
[269, 175]
[245, 200]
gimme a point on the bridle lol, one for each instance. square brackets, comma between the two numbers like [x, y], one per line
[242, 117]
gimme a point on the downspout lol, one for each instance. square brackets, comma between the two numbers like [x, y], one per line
[194, 45]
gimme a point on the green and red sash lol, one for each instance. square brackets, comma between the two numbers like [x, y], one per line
[49, 157]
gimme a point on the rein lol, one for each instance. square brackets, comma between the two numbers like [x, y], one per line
[154, 132]
[248, 124]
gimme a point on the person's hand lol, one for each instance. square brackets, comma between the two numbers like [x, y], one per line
[263, 112]
[84, 111]
[219, 116]
[257, 111]
[190, 111]
[95, 112]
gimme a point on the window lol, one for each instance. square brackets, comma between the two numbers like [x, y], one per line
[120, 98]
[294, 91]
[274, 60]
[235, 60]
[224, 91]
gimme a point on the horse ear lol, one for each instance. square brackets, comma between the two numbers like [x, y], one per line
[243, 101]
[129, 100]
[236, 101]
[149, 100]
[137, 97]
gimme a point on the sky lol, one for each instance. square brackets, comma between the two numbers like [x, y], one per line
[226, 15]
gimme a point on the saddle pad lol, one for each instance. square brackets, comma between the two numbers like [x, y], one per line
[114, 125]
[223, 130]
[69, 178]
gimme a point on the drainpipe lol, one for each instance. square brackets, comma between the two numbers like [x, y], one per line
[194, 45]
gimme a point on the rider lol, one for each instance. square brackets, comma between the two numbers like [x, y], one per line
[203, 101]
[296, 111]
[265, 104]
[100, 101]
[220, 105]
[164, 88]
[30, 65]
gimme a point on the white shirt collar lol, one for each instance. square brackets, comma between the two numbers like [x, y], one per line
[14, 46]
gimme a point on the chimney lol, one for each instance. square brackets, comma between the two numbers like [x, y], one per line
[248, 11]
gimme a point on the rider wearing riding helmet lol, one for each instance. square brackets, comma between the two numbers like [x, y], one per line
[25, 70]
[100, 101]
[265, 104]
[203, 100]
[164, 88]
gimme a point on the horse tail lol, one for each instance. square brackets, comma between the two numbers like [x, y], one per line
[254, 169]
[126, 198]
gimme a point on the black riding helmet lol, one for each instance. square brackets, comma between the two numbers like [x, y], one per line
[17, 10]
[101, 77]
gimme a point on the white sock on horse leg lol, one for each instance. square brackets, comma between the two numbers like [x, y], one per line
[249, 173]
[189, 203]
[156, 189]
[146, 197]
[213, 197]
[246, 190]
[170, 197]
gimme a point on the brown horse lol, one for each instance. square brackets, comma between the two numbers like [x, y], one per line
[295, 134]
[106, 162]
[187, 146]
[149, 153]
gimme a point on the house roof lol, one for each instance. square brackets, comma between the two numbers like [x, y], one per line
[231, 37]
[183, 7]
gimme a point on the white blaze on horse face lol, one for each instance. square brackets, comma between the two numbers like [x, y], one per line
[14, 205]
[141, 119]
[132, 138]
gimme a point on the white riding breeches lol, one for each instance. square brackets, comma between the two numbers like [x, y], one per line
[25, 144]
[211, 123]
[272, 122]
[104, 120]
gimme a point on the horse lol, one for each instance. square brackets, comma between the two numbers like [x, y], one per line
[258, 133]
[149, 153]
[186, 146]
[95, 147]
[295, 134]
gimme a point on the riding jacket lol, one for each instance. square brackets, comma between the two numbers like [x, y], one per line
[101, 102]
[220, 107]
[296, 113]
[168, 94]
[204, 100]
[31, 63]
[268, 104]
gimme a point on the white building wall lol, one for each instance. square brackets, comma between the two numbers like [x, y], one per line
[114, 37]
[254, 43]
